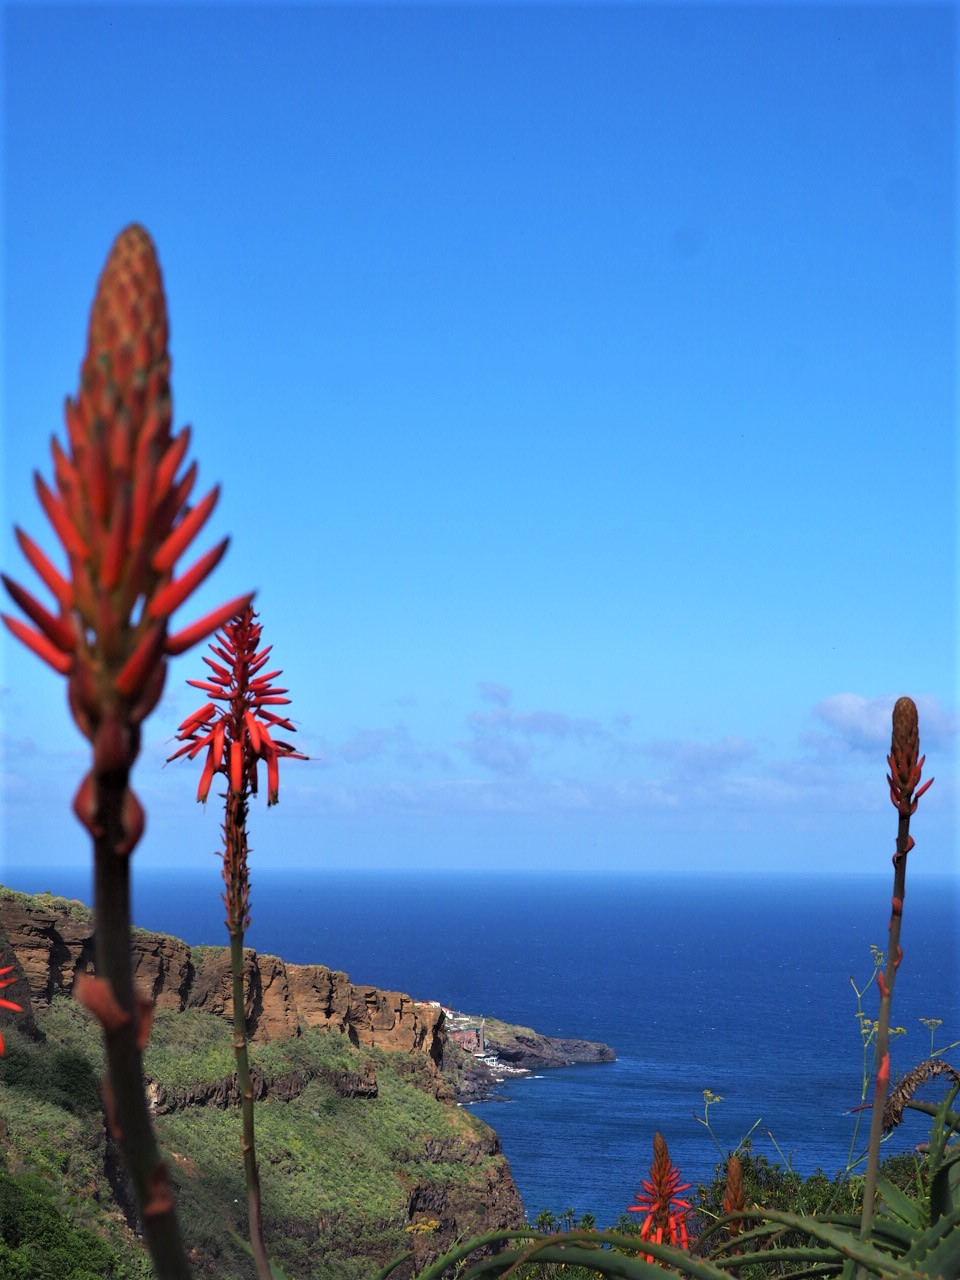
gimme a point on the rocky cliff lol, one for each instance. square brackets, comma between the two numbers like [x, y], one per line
[52, 941]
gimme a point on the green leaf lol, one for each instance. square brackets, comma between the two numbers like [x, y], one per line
[903, 1208]
[389, 1269]
[847, 1244]
[764, 1256]
[602, 1262]
[577, 1248]
[937, 1252]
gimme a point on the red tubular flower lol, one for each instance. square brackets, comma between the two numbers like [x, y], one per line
[666, 1214]
[7, 1004]
[123, 519]
[235, 728]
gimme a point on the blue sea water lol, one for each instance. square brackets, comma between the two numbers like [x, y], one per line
[740, 986]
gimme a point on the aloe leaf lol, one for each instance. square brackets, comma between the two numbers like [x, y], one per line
[937, 1251]
[601, 1262]
[885, 1230]
[764, 1256]
[905, 1209]
[846, 1243]
[463, 1250]
[574, 1248]
[940, 1157]
[389, 1269]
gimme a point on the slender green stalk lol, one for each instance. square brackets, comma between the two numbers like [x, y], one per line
[235, 875]
[127, 1103]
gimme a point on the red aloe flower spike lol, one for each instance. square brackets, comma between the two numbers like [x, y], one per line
[666, 1213]
[120, 513]
[243, 722]
[236, 729]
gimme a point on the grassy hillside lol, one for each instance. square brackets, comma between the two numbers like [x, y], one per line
[343, 1176]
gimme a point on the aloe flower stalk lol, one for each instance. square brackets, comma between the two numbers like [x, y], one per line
[733, 1198]
[119, 507]
[906, 766]
[7, 1004]
[666, 1213]
[235, 731]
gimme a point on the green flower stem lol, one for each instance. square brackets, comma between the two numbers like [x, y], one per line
[161, 1230]
[883, 1029]
[235, 830]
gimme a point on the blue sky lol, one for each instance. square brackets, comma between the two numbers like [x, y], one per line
[581, 381]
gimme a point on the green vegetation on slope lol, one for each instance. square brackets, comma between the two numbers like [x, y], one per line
[338, 1172]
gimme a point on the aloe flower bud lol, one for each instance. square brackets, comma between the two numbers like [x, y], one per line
[905, 767]
[733, 1199]
[120, 512]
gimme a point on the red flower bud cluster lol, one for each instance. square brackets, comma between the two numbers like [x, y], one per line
[238, 734]
[905, 766]
[666, 1220]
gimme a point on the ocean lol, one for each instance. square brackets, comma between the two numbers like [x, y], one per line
[736, 985]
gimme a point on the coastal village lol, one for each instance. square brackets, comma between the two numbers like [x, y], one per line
[467, 1031]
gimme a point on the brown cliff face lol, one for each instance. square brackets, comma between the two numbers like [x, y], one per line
[53, 944]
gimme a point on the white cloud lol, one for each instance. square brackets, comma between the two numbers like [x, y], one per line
[864, 724]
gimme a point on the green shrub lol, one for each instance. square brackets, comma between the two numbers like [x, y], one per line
[39, 1242]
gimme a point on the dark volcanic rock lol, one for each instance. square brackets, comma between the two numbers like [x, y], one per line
[534, 1052]
[518, 1050]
